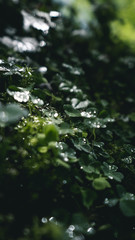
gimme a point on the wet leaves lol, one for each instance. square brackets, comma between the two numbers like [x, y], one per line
[69, 152]
[100, 183]
[127, 204]
[11, 113]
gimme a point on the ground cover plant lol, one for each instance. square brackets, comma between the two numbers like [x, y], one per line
[67, 116]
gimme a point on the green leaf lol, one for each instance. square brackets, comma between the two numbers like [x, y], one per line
[100, 183]
[77, 104]
[51, 133]
[65, 128]
[88, 197]
[11, 113]
[59, 162]
[71, 112]
[111, 172]
[132, 116]
[127, 205]
[43, 149]
[81, 144]
[90, 169]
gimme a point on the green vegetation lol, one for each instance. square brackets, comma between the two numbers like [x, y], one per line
[67, 115]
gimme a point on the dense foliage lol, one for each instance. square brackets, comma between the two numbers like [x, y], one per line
[67, 115]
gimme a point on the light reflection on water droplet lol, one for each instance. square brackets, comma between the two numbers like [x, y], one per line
[1, 61]
[44, 220]
[87, 114]
[42, 70]
[130, 196]
[55, 115]
[37, 101]
[21, 96]
[66, 159]
[106, 201]
[110, 177]
[64, 182]
[127, 160]
[91, 230]
[42, 43]
[32, 21]
[70, 230]
[52, 219]
[54, 14]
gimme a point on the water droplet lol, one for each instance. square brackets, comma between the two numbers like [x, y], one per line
[42, 70]
[32, 21]
[42, 43]
[37, 101]
[54, 14]
[87, 114]
[44, 220]
[56, 115]
[110, 177]
[106, 201]
[91, 230]
[112, 167]
[64, 182]
[1, 61]
[52, 219]
[127, 160]
[84, 140]
[71, 228]
[66, 159]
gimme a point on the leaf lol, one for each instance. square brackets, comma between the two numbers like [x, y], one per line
[90, 169]
[65, 128]
[100, 183]
[71, 112]
[22, 95]
[111, 202]
[59, 162]
[127, 205]
[11, 113]
[81, 145]
[43, 149]
[132, 116]
[88, 197]
[77, 104]
[37, 100]
[111, 172]
[51, 133]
